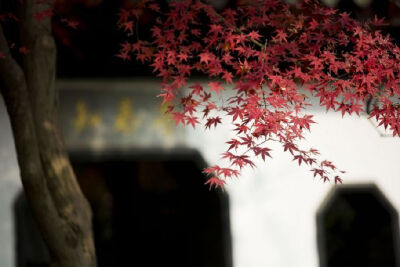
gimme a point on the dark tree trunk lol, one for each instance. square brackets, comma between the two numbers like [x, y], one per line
[59, 207]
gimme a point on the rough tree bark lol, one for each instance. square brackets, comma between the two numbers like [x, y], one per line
[59, 207]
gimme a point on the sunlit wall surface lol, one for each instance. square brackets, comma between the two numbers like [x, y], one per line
[273, 207]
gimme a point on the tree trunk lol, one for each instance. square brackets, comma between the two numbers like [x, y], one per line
[59, 207]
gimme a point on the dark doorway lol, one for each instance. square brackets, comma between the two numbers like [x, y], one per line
[153, 209]
[357, 226]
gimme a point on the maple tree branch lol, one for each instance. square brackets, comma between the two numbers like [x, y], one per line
[16, 98]
[59, 207]
[257, 145]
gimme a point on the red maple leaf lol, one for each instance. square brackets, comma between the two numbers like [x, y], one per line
[206, 57]
[215, 86]
[123, 15]
[178, 118]
[197, 88]
[216, 182]
[254, 35]
[125, 46]
[262, 151]
[215, 29]
[192, 120]
[212, 121]
[123, 54]
[227, 76]
[280, 36]
[338, 180]
[127, 26]
[234, 143]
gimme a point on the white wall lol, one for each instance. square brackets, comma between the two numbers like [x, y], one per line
[9, 186]
[273, 207]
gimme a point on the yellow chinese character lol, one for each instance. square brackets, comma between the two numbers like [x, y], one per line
[84, 118]
[163, 121]
[126, 122]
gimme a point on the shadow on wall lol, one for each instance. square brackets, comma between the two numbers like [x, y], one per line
[150, 209]
[357, 226]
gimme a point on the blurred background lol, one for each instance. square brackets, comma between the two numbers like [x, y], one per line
[143, 175]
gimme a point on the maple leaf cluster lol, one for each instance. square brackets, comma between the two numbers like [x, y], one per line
[275, 56]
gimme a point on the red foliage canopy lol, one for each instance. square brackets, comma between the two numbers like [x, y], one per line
[267, 50]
